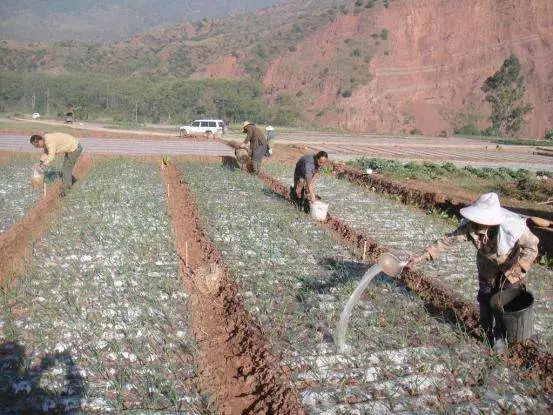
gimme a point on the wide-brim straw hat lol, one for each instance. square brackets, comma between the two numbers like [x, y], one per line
[246, 123]
[486, 210]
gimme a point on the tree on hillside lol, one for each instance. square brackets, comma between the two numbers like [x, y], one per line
[505, 92]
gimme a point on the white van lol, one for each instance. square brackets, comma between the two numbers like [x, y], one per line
[203, 127]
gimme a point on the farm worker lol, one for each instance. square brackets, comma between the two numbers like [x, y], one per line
[506, 250]
[58, 143]
[258, 144]
[270, 133]
[305, 174]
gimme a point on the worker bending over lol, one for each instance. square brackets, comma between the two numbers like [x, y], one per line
[58, 143]
[305, 174]
[258, 144]
[506, 250]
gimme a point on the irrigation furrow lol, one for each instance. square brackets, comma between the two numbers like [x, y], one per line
[99, 322]
[236, 367]
[16, 241]
[295, 278]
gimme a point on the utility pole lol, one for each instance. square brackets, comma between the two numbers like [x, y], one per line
[47, 96]
[136, 112]
[33, 101]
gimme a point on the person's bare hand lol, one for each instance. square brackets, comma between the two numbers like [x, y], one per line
[514, 274]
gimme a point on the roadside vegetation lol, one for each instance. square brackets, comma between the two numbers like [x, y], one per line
[520, 184]
[141, 99]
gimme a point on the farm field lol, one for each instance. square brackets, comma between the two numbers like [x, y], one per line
[509, 156]
[106, 318]
[405, 228]
[99, 322]
[295, 278]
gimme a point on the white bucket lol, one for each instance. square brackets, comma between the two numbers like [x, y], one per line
[319, 210]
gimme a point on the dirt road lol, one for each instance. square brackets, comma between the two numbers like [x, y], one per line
[176, 147]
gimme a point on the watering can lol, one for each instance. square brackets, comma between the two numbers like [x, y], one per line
[388, 263]
[37, 179]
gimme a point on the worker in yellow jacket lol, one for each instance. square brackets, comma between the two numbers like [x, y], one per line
[54, 144]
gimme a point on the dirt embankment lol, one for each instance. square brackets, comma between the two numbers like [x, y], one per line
[236, 367]
[439, 298]
[429, 66]
[433, 200]
[17, 241]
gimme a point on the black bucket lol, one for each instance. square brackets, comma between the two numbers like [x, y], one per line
[518, 317]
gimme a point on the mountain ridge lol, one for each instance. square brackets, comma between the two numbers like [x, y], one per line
[106, 20]
[376, 65]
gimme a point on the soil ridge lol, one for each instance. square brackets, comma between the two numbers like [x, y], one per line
[237, 368]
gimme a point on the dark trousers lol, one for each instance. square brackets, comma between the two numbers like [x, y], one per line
[69, 162]
[257, 157]
[490, 317]
[298, 194]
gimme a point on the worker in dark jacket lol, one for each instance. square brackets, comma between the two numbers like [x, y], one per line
[305, 174]
[506, 250]
[258, 144]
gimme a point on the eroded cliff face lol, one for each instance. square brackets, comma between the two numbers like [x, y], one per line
[429, 67]
[224, 67]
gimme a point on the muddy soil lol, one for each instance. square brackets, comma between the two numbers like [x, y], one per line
[438, 297]
[236, 367]
[16, 241]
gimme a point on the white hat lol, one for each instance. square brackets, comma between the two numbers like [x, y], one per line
[485, 211]
[269, 128]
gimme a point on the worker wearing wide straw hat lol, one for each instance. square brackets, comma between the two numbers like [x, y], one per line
[258, 144]
[506, 250]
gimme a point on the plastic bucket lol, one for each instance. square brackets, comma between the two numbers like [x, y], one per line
[318, 210]
[518, 317]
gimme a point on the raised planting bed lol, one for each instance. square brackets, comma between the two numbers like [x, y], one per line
[295, 279]
[16, 192]
[16, 241]
[100, 322]
[395, 225]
